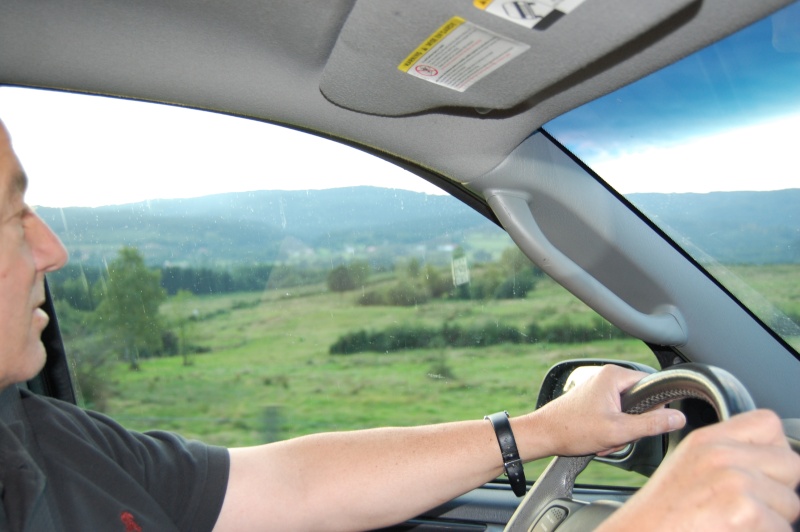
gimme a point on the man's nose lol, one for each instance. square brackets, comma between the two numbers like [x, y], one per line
[49, 253]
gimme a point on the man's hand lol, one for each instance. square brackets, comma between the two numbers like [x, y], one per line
[735, 475]
[589, 419]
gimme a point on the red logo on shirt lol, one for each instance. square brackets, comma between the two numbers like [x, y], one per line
[130, 523]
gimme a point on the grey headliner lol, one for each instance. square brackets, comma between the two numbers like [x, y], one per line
[267, 59]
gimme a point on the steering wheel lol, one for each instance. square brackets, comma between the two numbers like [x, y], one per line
[549, 503]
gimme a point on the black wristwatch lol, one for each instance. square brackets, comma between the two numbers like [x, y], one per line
[508, 449]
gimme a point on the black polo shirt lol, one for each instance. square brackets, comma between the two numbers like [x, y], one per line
[63, 468]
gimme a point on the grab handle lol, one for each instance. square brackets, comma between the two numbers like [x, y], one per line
[665, 326]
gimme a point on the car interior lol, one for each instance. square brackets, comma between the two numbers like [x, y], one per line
[474, 200]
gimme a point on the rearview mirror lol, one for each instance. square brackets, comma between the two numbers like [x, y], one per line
[643, 456]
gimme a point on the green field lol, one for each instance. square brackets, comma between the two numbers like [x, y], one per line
[267, 373]
[269, 376]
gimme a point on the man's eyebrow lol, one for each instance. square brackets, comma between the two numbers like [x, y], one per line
[17, 186]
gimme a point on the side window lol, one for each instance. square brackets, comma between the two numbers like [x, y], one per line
[242, 283]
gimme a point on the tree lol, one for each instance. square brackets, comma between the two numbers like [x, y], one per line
[438, 283]
[359, 271]
[183, 317]
[514, 261]
[78, 285]
[129, 310]
[413, 268]
[340, 279]
[89, 354]
[521, 275]
[348, 277]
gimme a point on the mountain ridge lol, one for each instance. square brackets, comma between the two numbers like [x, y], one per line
[732, 227]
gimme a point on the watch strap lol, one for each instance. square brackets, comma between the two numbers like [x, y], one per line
[508, 449]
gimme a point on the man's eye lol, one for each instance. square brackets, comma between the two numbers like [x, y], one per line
[25, 216]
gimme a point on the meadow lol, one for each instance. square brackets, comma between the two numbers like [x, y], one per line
[265, 372]
[268, 374]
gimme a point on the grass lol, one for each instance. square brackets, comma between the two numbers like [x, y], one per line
[268, 374]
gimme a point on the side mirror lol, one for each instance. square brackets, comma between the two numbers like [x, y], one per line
[643, 456]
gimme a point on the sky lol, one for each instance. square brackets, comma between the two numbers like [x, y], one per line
[724, 118]
[62, 139]
[719, 162]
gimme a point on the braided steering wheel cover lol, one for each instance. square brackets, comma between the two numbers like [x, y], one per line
[716, 386]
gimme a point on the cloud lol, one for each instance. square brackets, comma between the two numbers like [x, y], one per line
[754, 157]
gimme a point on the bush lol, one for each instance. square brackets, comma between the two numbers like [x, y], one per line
[485, 285]
[350, 343]
[401, 294]
[345, 278]
[392, 339]
[406, 294]
[566, 332]
[533, 332]
[516, 286]
[405, 337]
[92, 364]
[372, 298]
[439, 283]
[341, 280]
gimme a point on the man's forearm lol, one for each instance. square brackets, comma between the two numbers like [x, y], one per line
[372, 478]
[364, 479]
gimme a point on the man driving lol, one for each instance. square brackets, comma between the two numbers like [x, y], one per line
[63, 468]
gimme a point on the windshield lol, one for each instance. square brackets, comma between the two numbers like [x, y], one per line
[706, 148]
[240, 283]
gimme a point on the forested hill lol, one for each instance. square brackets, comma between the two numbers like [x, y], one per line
[263, 226]
[268, 226]
[732, 227]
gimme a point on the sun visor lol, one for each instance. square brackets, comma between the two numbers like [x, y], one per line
[397, 57]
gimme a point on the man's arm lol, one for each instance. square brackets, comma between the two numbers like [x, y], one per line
[367, 479]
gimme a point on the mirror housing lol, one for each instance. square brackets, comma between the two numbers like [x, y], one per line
[643, 456]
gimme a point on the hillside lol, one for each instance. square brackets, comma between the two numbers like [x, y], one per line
[732, 227]
[321, 225]
[264, 226]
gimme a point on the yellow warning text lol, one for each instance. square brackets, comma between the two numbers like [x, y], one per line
[436, 37]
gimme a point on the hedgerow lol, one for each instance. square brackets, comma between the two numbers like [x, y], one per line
[405, 337]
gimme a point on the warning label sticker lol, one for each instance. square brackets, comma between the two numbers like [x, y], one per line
[539, 14]
[459, 54]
